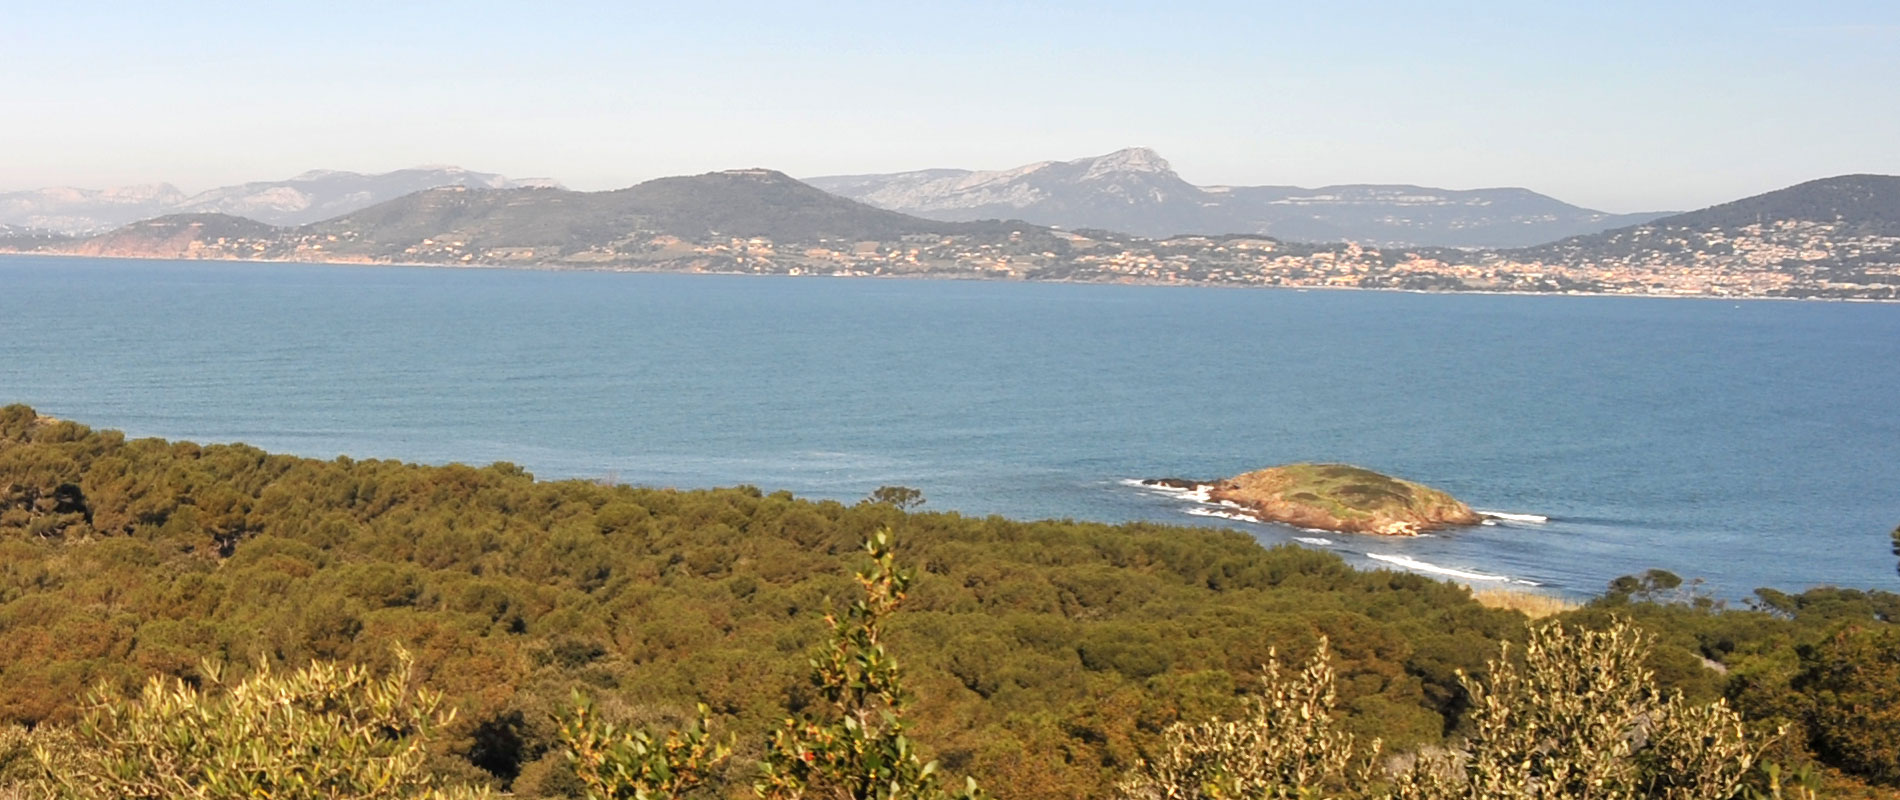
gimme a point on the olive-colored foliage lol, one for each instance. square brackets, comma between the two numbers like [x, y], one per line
[1020, 637]
[1770, 662]
[1579, 716]
[1576, 717]
[1044, 656]
[322, 732]
[1852, 681]
[1286, 746]
[902, 497]
[854, 747]
[22, 771]
[615, 763]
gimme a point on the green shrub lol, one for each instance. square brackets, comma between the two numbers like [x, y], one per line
[1852, 682]
[858, 748]
[1286, 746]
[616, 763]
[1579, 717]
[323, 733]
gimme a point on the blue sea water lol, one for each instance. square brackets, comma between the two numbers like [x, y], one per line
[1746, 443]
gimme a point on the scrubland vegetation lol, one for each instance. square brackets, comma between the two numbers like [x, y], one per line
[168, 603]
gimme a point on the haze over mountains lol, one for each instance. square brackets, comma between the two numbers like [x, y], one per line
[1132, 191]
[1136, 191]
[744, 204]
[715, 220]
[310, 197]
[1835, 237]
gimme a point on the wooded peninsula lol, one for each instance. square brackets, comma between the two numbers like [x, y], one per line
[557, 639]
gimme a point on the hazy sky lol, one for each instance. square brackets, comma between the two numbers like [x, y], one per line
[1622, 106]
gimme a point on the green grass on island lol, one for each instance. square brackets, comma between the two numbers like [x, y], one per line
[1343, 497]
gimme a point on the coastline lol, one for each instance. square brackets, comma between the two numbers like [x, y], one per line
[303, 388]
[544, 267]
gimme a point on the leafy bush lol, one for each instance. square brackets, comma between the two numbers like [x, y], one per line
[1286, 747]
[1577, 717]
[624, 764]
[858, 748]
[323, 732]
[1852, 681]
[1580, 716]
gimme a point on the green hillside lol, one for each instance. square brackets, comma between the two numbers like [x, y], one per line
[1870, 202]
[1046, 658]
[737, 203]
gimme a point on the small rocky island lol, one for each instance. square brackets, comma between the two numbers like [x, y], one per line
[1333, 497]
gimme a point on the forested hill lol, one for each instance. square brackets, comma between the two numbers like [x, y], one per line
[656, 222]
[1045, 657]
[1860, 202]
[1800, 225]
[736, 203]
[181, 233]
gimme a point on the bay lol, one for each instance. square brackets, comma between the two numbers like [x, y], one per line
[1745, 443]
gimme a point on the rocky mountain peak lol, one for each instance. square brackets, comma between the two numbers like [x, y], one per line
[758, 174]
[1132, 159]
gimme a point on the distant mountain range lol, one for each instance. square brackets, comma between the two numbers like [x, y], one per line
[659, 221]
[1136, 191]
[1836, 237]
[1131, 191]
[306, 198]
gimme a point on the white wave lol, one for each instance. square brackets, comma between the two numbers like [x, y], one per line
[1314, 540]
[1421, 566]
[1504, 515]
[1215, 512]
[1198, 494]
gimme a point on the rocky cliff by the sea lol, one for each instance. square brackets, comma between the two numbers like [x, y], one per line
[1335, 497]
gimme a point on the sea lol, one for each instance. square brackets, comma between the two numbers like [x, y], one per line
[1740, 443]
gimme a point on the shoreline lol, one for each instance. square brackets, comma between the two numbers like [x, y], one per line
[7, 254]
[1360, 551]
[1356, 558]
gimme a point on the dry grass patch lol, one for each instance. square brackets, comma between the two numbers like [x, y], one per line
[1530, 604]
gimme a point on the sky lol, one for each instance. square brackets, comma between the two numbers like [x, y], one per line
[1619, 106]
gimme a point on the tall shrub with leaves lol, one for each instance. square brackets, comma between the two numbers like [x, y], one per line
[1285, 747]
[1579, 718]
[1852, 683]
[616, 763]
[856, 749]
[324, 732]
[1896, 545]
[20, 771]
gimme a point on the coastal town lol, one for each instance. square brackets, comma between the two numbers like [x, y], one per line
[1788, 259]
[1802, 242]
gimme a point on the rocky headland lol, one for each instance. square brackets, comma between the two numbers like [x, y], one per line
[1333, 497]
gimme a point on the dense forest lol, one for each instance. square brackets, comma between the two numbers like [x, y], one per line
[1049, 659]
